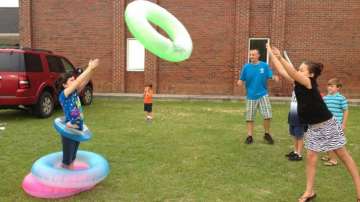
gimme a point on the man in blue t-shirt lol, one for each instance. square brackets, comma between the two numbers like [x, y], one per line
[255, 75]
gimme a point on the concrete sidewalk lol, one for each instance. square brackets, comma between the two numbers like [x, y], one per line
[353, 102]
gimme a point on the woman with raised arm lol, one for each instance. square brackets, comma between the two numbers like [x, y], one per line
[324, 133]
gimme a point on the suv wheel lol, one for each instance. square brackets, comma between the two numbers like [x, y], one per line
[45, 105]
[87, 97]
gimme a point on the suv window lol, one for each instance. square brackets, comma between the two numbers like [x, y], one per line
[67, 65]
[33, 63]
[11, 62]
[55, 64]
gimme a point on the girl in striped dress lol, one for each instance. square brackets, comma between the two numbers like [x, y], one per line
[324, 132]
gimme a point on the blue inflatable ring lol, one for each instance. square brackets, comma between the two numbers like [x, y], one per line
[48, 170]
[77, 135]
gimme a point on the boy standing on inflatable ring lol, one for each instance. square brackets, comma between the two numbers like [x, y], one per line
[70, 102]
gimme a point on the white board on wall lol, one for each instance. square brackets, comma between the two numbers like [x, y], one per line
[135, 60]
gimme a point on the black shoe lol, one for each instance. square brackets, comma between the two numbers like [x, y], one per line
[268, 138]
[295, 157]
[292, 153]
[249, 140]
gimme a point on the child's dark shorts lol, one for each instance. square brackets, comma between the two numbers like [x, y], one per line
[148, 107]
[297, 130]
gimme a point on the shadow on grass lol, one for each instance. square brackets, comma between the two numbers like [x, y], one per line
[8, 115]
[13, 114]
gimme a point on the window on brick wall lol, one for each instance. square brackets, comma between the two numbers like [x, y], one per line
[260, 44]
[135, 60]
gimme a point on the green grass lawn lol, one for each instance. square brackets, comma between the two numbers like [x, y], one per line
[193, 151]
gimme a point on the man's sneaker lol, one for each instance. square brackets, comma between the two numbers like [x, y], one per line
[249, 140]
[295, 157]
[268, 138]
[292, 153]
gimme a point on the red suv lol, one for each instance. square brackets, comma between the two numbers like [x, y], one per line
[27, 80]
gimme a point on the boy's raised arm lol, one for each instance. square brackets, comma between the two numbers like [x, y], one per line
[80, 80]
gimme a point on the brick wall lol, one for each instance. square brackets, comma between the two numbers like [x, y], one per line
[79, 30]
[210, 23]
[326, 31]
[25, 23]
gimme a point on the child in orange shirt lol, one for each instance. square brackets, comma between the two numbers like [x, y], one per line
[148, 93]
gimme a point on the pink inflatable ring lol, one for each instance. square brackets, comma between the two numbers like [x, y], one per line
[49, 180]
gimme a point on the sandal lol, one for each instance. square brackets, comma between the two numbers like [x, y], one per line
[331, 163]
[307, 198]
[325, 158]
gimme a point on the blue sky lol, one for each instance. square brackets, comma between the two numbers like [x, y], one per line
[9, 3]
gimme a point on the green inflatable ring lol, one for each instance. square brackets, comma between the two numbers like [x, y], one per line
[137, 16]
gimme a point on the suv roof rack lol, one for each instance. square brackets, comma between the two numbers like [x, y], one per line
[17, 46]
[35, 49]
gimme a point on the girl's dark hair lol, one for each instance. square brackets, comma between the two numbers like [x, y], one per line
[149, 85]
[315, 68]
[62, 80]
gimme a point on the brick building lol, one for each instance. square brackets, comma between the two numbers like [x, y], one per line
[326, 31]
